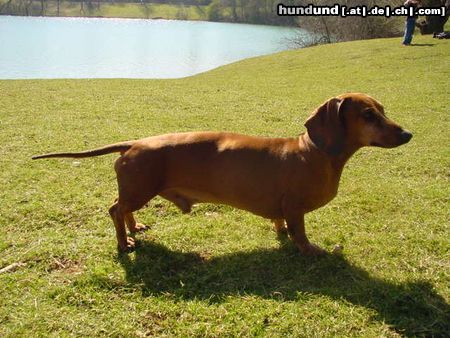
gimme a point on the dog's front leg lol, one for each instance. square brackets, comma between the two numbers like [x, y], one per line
[296, 230]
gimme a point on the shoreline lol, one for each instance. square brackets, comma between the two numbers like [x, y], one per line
[135, 18]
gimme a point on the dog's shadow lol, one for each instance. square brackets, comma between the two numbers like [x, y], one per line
[412, 308]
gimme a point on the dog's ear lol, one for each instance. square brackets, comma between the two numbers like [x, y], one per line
[326, 126]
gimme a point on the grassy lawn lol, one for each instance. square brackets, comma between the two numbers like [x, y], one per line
[221, 271]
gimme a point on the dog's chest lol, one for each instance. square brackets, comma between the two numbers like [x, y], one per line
[316, 190]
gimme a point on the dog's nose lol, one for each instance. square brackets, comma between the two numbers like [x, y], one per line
[405, 136]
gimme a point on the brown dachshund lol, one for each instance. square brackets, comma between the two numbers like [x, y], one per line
[277, 178]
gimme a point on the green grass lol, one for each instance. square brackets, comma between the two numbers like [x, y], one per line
[221, 271]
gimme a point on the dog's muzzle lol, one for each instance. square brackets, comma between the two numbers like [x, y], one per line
[405, 137]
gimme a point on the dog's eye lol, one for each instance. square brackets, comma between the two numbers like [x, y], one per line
[369, 115]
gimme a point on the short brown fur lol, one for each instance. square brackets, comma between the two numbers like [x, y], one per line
[277, 178]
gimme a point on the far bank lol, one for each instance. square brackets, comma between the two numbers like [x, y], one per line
[205, 10]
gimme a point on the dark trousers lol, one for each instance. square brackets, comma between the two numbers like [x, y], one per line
[409, 30]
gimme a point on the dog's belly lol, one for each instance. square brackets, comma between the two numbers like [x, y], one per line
[245, 178]
[185, 197]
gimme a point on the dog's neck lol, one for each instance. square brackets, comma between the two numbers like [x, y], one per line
[338, 161]
[341, 159]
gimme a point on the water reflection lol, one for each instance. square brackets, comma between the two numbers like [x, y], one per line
[32, 47]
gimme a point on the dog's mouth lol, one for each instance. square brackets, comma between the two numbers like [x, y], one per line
[400, 138]
[375, 144]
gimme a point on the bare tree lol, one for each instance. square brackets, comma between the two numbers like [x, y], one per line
[327, 29]
[146, 8]
[82, 7]
[42, 7]
[28, 5]
[5, 6]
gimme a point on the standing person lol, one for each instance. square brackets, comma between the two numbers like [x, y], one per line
[410, 22]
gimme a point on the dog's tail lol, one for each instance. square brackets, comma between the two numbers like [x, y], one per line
[111, 148]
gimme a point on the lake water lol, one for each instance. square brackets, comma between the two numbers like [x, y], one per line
[42, 47]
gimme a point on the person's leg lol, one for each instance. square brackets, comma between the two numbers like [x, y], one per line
[409, 30]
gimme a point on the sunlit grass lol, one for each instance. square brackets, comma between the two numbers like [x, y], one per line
[221, 271]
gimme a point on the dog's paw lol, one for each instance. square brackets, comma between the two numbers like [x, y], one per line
[130, 246]
[280, 230]
[139, 227]
[312, 250]
[279, 227]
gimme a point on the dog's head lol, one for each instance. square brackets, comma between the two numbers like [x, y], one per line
[353, 120]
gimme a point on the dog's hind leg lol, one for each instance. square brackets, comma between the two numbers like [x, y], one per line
[139, 177]
[132, 225]
[279, 226]
[125, 243]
